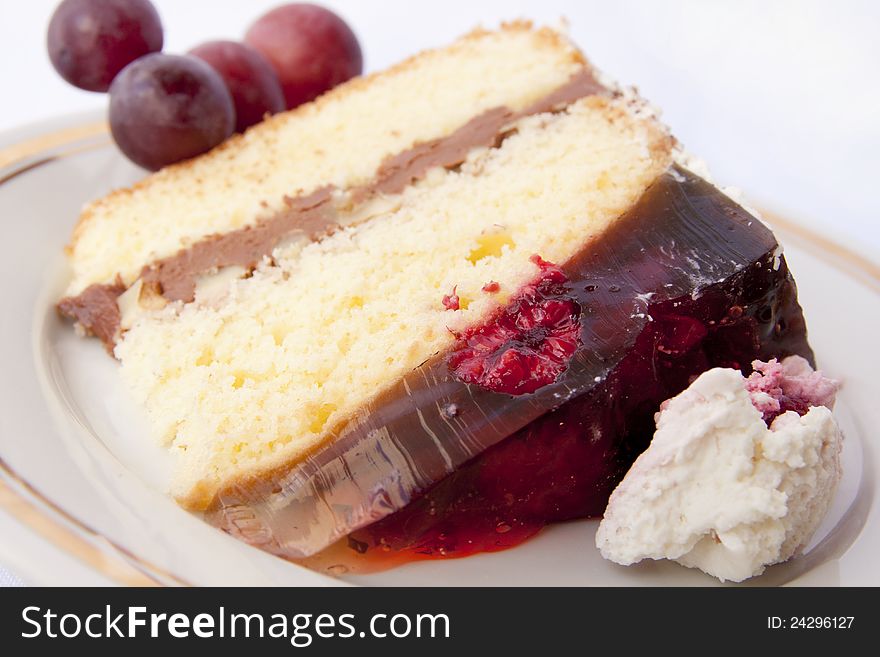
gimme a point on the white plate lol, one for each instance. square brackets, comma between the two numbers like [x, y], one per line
[81, 496]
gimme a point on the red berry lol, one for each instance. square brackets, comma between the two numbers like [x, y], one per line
[311, 49]
[167, 108]
[90, 41]
[250, 78]
[526, 345]
[451, 301]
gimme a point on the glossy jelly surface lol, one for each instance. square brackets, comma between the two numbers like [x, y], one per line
[449, 461]
[565, 464]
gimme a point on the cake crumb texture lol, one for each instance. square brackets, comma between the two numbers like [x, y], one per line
[338, 140]
[257, 379]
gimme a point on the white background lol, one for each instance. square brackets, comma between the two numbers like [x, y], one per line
[782, 98]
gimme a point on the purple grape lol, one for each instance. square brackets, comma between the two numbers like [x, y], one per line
[90, 41]
[167, 108]
[311, 49]
[250, 78]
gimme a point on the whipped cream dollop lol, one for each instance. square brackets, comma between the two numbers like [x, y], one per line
[738, 476]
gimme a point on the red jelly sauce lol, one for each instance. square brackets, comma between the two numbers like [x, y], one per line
[565, 464]
[535, 416]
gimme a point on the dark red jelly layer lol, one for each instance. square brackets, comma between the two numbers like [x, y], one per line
[565, 464]
[535, 416]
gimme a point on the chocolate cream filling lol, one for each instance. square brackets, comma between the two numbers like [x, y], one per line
[312, 215]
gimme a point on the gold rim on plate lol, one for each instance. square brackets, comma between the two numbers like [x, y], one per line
[28, 505]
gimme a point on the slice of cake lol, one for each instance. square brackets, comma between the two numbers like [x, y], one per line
[342, 141]
[432, 311]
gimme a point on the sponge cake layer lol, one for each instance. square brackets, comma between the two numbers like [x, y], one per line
[239, 385]
[339, 140]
